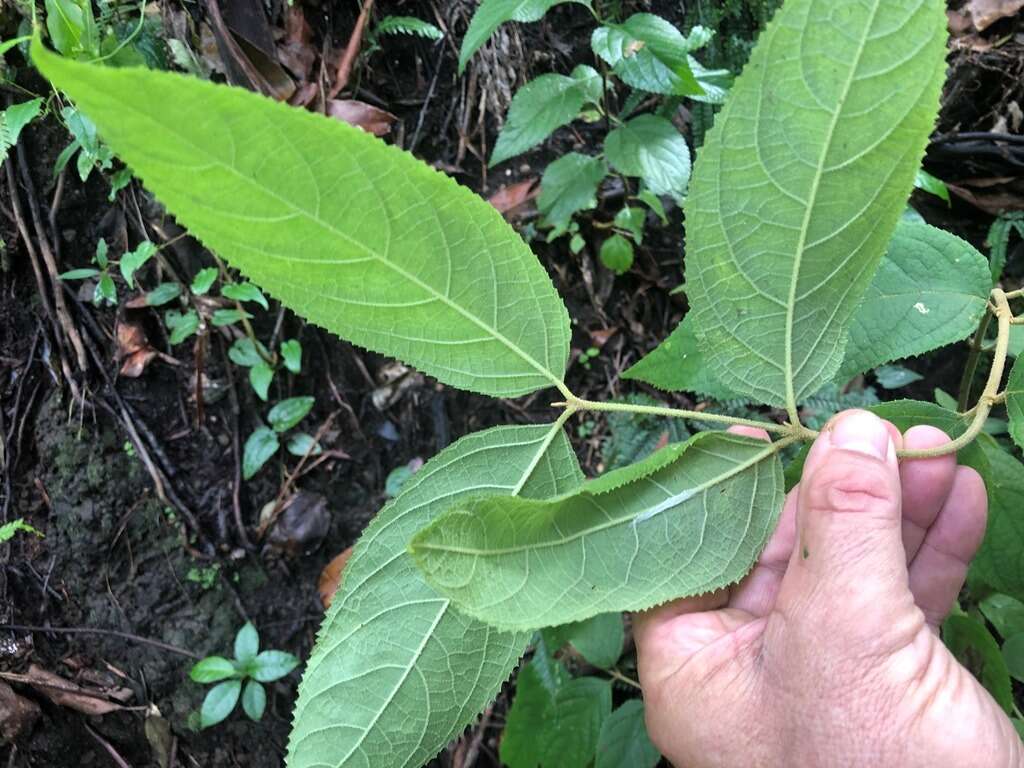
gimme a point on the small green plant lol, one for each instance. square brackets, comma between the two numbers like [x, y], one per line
[8, 529]
[205, 576]
[646, 70]
[263, 443]
[801, 276]
[240, 677]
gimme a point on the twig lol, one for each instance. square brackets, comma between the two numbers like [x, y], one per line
[348, 58]
[105, 632]
[114, 754]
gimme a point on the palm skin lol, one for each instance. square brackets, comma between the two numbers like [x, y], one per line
[828, 652]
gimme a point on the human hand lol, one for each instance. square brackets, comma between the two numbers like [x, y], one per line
[828, 652]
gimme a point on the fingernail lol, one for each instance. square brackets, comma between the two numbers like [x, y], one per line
[862, 432]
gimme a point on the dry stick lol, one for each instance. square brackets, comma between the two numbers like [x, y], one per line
[348, 58]
[108, 747]
[51, 263]
[105, 632]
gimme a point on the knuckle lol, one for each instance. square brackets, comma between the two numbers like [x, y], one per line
[852, 486]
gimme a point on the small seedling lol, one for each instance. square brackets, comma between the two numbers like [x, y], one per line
[250, 667]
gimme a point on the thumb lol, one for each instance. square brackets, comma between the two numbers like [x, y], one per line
[848, 562]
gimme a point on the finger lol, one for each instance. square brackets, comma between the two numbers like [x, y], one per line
[848, 559]
[648, 624]
[757, 592]
[926, 484]
[938, 571]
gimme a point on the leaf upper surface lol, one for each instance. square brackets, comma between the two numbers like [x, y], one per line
[353, 234]
[382, 688]
[492, 14]
[1015, 401]
[930, 290]
[800, 184]
[691, 518]
[652, 148]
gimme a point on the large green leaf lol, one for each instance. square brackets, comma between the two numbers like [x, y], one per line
[799, 185]
[624, 742]
[648, 53]
[493, 13]
[962, 634]
[598, 639]
[520, 745]
[541, 106]
[689, 519]
[357, 236]
[998, 562]
[574, 722]
[931, 289]
[652, 148]
[397, 672]
[568, 185]
[1015, 401]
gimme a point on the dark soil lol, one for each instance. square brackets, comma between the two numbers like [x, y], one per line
[116, 557]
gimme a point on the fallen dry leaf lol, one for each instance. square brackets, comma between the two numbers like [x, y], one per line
[362, 115]
[330, 577]
[508, 199]
[985, 13]
[300, 527]
[67, 694]
[133, 349]
[17, 714]
[600, 337]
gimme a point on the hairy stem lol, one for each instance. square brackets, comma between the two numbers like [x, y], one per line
[989, 396]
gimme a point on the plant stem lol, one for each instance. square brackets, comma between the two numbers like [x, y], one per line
[977, 345]
[575, 403]
[989, 396]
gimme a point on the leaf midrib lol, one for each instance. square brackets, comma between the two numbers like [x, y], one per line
[819, 172]
[492, 331]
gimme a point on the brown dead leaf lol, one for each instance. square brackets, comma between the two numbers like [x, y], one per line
[985, 13]
[133, 348]
[330, 577]
[511, 201]
[298, 58]
[362, 115]
[304, 95]
[67, 694]
[17, 714]
[300, 527]
[600, 337]
[296, 28]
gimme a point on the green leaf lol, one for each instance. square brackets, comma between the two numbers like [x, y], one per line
[271, 188]
[1013, 655]
[105, 291]
[631, 539]
[72, 27]
[678, 365]
[380, 688]
[492, 14]
[245, 353]
[132, 261]
[598, 639]
[998, 562]
[931, 289]
[260, 376]
[302, 444]
[925, 181]
[541, 106]
[254, 700]
[269, 666]
[290, 412]
[229, 316]
[648, 53]
[573, 727]
[1006, 614]
[962, 633]
[654, 203]
[521, 746]
[998, 241]
[244, 292]
[624, 742]
[100, 256]
[568, 185]
[162, 294]
[800, 183]
[211, 669]
[181, 325]
[203, 280]
[653, 149]
[895, 376]
[291, 354]
[633, 436]
[13, 120]
[247, 643]
[219, 702]
[261, 445]
[1015, 401]
[617, 254]
[79, 274]
[8, 529]
[632, 220]
[407, 25]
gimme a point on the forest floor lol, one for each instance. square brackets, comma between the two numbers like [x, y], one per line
[153, 554]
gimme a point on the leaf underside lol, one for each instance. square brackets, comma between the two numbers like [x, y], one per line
[800, 184]
[689, 519]
[357, 236]
[397, 672]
